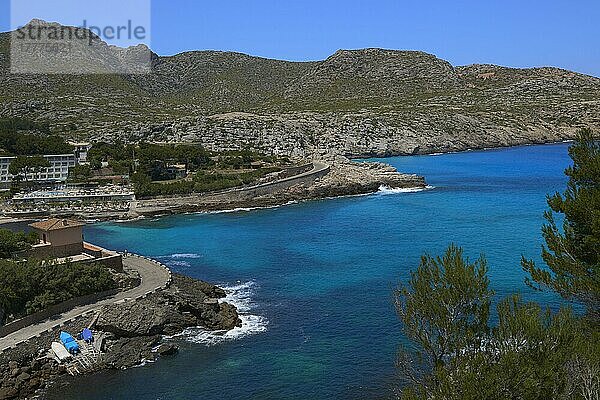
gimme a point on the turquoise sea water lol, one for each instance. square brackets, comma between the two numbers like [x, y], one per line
[314, 280]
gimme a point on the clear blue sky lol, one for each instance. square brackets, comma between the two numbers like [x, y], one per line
[521, 33]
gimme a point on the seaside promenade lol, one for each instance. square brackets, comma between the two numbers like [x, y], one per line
[154, 276]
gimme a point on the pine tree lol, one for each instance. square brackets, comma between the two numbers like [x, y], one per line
[572, 255]
[445, 306]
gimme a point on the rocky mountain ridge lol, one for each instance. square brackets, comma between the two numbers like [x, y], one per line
[355, 103]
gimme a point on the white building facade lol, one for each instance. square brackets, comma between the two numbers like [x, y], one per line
[58, 172]
[81, 151]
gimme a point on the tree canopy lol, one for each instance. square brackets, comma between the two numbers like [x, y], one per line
[572, 255]
[28, 287]
[529, 352]
[446, 304]
[12, 242]
[23, 165]
[20, 137]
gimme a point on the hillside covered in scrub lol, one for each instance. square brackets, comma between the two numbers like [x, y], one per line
[356, 103]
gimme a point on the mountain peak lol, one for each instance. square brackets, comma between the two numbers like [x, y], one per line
[41, 22]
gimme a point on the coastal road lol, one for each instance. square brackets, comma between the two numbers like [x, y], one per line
[154, 276]
[215, 200]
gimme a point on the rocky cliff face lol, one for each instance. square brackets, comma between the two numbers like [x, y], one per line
[355, 103]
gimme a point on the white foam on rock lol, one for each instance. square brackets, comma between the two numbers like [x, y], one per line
[240, 295]
[186, 255]
[388, 190]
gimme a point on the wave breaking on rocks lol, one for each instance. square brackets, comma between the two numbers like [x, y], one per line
[241, 296]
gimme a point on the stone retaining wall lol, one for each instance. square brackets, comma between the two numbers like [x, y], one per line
[297, 170]
[114, 262]
[48, 251]
[55, 310]
[274, 187]
[226, 196]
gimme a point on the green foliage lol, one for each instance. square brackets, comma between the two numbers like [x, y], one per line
[150, 159]
[529, 354]
[29, 287]
[121, 167]
[572, 255]
[206, 182]
[18, 124]
[23, 165]
[80, 173]
[243, 159]
[446, 305]
[11, 242]
[194, 157]
[37, 140]
[109, 151]
[145, 188]
[152, 178]
[201, 183]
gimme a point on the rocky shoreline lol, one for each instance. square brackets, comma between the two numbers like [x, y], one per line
[133, 335]
[344, 179]
[341, 178]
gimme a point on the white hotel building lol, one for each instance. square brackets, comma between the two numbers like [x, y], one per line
[58, 172]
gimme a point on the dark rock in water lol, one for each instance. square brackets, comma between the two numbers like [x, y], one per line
[140, 318]
[133, 330]
[22, 373]
[191, 287]
[129, 352]
[167, 349]
[186, 303]
[226, 319]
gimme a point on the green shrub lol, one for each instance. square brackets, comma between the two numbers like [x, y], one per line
[26, 138]
[11, 242]
[29, 287]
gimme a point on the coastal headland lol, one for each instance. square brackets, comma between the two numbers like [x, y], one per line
[219, 105]
[132, 325]
[335, 176]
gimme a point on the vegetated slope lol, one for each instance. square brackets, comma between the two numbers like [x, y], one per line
[356, 102]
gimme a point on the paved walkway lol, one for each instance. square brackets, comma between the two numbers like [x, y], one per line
[154, 276]
[318, 168]
[231, 198]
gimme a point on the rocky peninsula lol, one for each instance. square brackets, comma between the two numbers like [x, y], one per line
[133, 333]
[336, 176]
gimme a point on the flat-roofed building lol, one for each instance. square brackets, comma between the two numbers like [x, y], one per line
[57, 172]
[81, 151]
[62, 240]
[5, 177]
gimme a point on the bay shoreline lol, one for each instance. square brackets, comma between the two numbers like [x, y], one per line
[347, 177]
[148, 343]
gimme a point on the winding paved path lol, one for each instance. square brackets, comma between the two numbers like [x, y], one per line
[154, 277]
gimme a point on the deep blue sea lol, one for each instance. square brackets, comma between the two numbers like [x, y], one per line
[315, 279]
